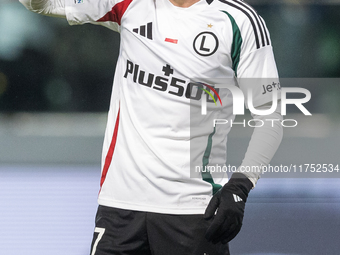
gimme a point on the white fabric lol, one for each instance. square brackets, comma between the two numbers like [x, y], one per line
[53, 8]
[163, 48]
[264, 142]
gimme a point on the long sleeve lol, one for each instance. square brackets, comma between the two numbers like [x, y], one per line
[53, 8]
[264, 142]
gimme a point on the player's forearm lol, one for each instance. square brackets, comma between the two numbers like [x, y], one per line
[53, 8]
[264, 143]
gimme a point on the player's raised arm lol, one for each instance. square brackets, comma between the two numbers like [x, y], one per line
[53, 8]
[108, 13]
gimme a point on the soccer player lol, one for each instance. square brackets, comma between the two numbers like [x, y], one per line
[171, 54]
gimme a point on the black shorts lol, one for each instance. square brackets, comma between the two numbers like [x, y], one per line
[127, 232]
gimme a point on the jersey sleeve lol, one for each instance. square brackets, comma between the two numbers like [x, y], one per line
[108, 13]
[253, 58]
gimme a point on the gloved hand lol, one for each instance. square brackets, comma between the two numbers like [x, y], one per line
[229, 203]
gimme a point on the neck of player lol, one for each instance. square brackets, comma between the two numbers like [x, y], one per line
[183, 3]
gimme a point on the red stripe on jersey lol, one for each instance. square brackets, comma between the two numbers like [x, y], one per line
[109, 154]
[171, 40]
[117, 12]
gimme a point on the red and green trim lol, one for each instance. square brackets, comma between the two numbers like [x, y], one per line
[206, 175]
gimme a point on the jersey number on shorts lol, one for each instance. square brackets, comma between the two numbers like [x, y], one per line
[100, 232]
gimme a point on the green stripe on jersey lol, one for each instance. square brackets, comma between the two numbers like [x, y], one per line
[206, 176]
[237, 42]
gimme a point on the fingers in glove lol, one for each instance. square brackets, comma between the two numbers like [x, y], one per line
[227, 238]
[212, 207]
[215, 228]
[231, 229]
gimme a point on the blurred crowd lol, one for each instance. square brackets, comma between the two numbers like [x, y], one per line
[47, 65]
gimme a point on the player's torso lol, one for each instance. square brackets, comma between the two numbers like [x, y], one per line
[164, 46]
[163, 49]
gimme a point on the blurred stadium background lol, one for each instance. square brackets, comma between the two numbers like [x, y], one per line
[55, 85]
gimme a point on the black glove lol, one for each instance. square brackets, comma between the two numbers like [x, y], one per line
[230, 202]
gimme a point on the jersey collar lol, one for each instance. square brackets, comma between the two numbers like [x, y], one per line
[196, 7]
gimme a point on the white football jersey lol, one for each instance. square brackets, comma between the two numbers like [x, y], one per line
[147, 150]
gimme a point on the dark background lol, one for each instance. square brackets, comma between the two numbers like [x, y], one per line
[48, 66]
